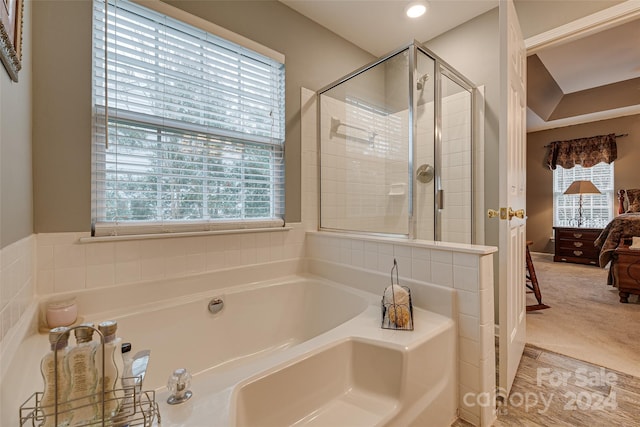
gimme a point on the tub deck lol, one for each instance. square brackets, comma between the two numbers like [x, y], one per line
[280, 332]
[430, 349]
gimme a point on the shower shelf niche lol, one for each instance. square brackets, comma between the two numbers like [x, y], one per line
[398, 189]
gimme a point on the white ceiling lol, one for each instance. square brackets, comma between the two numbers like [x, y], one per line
[381, 26]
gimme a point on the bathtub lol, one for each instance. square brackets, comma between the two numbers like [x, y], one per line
[256, 320]
[300, 350]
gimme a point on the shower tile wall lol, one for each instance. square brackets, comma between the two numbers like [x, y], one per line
[17, 287]
[424, 208]
[456, 168]
[455, 171]
[364, 178]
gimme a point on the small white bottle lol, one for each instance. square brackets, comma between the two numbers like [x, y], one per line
[127, 409]
[113, 367]
[55, 373]
[82, 368]
[127, 375]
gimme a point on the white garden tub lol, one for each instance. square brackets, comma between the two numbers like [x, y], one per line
[296, 351]
[255, 320]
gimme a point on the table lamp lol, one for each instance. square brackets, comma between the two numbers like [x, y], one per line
[581, 187]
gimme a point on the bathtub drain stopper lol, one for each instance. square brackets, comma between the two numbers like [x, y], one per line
[178, 385]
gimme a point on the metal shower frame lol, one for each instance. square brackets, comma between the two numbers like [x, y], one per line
[442, 68]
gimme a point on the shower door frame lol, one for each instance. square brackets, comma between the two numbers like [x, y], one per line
[441, 67]
[444, 69]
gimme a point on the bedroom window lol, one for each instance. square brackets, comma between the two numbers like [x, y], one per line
[597, 209]
[188, 127]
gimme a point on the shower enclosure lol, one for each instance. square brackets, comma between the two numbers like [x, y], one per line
[396, 149]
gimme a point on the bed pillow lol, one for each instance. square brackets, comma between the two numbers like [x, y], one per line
[633, 200]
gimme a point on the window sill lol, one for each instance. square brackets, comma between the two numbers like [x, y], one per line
[99, 239]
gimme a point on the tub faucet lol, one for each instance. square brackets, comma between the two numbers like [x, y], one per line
[178, 385]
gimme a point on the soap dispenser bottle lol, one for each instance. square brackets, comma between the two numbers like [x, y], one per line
[55, 372]
[113, 367]
[82, 368]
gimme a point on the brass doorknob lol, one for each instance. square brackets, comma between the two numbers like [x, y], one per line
[502, 213]
[519, 213]
[505, 213]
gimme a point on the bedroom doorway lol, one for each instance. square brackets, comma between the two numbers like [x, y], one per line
[585, 312]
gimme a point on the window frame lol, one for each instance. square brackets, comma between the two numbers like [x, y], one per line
[103, 114]
[608, 194]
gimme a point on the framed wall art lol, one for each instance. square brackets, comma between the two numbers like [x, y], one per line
[11, 36]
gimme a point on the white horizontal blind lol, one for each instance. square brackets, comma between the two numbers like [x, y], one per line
[597, 209]
[195, 126]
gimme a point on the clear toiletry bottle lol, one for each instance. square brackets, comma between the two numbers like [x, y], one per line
[82, 367]
[55, 372]
[113, 367]
[127, 409]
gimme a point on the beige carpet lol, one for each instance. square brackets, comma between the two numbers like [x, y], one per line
[586, 320]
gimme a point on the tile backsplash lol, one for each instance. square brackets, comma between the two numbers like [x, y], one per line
[65, 264]
[17, 287]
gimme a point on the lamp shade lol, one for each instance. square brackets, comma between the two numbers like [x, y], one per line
[582, 187]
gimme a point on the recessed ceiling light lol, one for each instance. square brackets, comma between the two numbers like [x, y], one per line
[416, 9]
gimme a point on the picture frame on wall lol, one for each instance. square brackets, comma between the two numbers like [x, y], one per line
[11, 36]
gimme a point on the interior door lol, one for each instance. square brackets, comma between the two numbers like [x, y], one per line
[512, 189]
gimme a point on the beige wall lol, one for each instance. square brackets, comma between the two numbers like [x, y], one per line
[62, 116]
[16, 221]
[540, 177]
[62, 93]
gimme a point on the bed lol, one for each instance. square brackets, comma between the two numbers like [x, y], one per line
[614, 240]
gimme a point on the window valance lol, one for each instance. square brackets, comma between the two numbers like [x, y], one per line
[586, 152]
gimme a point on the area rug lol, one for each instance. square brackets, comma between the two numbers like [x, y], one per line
[586, 321]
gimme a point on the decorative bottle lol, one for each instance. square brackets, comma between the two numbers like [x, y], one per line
[113, 367]
[82, 368]
[55, 373]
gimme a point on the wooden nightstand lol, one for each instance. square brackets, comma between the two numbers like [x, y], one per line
[576, 245]
[626, 271]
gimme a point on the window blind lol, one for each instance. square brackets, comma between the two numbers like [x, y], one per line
[597, 209]
[188, 127]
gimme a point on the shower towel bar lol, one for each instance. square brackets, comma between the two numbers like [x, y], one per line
[336, 123]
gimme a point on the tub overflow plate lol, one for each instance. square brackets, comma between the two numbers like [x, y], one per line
[216, 305]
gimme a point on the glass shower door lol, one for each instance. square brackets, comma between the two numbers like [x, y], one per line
[364, 150]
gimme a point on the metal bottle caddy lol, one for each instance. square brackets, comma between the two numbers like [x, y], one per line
[397, 314]
[137, 407]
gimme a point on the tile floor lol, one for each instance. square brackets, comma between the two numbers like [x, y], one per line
[555, 390]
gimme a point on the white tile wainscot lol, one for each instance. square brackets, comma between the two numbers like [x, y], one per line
[467, 270]
[65, 264]
[17, 304]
